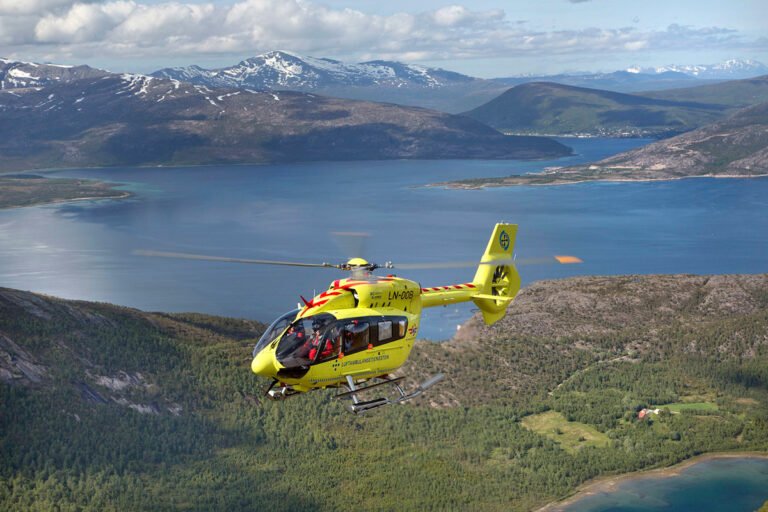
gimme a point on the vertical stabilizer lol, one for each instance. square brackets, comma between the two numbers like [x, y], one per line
[497, 284]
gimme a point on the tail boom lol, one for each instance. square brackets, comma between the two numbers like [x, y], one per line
[445, 295]
[495, 284]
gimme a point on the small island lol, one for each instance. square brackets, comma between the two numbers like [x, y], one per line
[19, 190]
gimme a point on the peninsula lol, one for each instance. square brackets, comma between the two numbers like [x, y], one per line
[736, 147]
[18, 190]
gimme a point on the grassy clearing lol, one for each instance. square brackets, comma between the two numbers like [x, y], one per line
[571, 435]
[689, 406]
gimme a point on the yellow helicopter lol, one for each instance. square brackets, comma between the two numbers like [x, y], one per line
[363, 327]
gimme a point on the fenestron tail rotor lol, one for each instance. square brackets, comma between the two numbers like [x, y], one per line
[500, 284]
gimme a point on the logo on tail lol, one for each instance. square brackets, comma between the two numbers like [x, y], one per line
[504, 240]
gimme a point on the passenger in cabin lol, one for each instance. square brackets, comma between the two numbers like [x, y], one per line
[296, 331]
[323, 342]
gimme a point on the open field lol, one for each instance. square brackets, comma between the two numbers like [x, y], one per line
[571, 435]
[689, 406]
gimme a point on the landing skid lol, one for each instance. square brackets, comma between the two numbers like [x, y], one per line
[358, 406]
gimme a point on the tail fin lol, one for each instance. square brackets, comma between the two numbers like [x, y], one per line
[497, 284]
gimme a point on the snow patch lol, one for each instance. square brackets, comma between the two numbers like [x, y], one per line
[18, 73]
[221, 98]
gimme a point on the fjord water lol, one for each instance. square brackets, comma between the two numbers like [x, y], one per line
[735, 485]
[84, 249]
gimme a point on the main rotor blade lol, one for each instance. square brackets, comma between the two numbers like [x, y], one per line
[563, 260]
[187, 256]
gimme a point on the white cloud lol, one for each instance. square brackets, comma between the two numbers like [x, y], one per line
[83, 22]
[14, 7]
[72, 29]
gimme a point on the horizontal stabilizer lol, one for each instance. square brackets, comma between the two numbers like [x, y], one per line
[493, 297]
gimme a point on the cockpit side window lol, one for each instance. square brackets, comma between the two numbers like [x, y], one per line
[303, 341]
[328, 344]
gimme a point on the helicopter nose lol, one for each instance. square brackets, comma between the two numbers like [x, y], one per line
[262, 364]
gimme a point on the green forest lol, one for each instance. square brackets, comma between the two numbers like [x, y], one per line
[110, 408]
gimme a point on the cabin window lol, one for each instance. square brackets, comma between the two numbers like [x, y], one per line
[388, 329]
[385, 331]
[356, 336]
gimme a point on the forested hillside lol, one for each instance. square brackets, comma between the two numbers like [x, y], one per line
[109, 408]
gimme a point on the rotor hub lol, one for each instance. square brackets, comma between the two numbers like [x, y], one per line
[357, 262]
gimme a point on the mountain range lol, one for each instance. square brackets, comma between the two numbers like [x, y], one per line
[285, 70]
[56, 116]
[386, 81]
[429, 87]
[730, 69]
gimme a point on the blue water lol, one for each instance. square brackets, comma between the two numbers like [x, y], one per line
[734, 485]
[84, 250]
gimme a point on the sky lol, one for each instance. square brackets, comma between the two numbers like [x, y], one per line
[484, 38]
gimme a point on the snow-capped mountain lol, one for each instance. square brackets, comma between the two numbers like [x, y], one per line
[283, 70]
[16, 74]
[378, 80]
[727, 70]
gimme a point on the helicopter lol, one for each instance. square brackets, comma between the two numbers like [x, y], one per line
[360, 330]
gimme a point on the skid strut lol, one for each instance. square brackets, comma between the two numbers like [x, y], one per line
[280, 393]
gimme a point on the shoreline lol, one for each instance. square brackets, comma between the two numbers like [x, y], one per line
[40, 190]
[461, 186]
[607, 484]
[123, 195]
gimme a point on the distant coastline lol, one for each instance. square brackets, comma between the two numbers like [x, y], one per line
[553, 179]
[607, 484]
[21, 191]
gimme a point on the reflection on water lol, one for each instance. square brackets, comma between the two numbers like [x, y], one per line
[83, 250]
